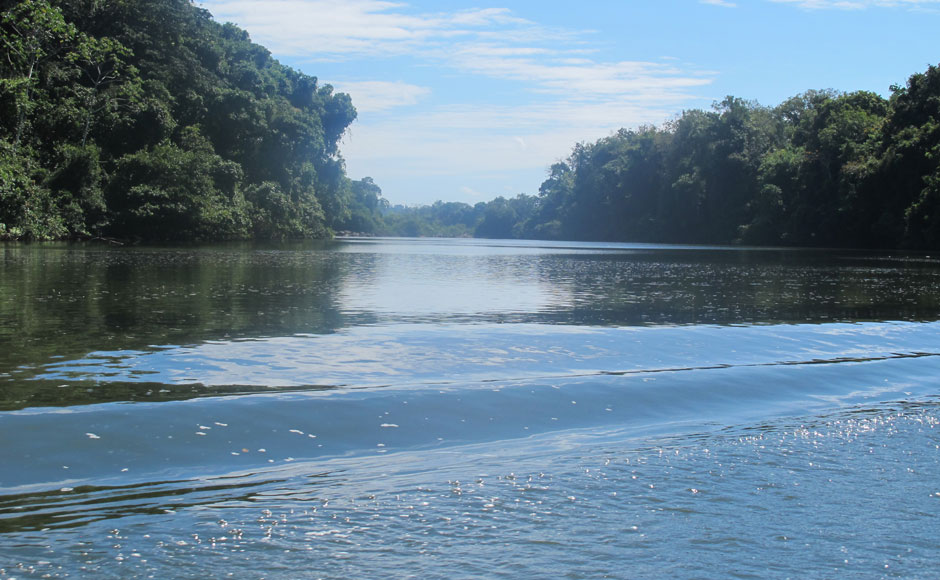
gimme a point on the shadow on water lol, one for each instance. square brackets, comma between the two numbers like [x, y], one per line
[80, 506]
[64, 300]
[45, 393]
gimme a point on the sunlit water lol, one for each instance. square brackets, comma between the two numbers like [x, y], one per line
[463, 409]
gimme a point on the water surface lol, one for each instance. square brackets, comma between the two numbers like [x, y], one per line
[467, 408]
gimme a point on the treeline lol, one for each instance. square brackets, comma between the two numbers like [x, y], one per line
[148, 119]
[821, 169]
[451, 219]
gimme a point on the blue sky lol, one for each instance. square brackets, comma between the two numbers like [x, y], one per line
[469, 100]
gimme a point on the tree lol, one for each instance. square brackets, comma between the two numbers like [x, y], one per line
[103, 103]
[175, 191]
[909, 159]
[32, 32]
[102, 62]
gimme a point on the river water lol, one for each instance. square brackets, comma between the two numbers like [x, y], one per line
[369, 408]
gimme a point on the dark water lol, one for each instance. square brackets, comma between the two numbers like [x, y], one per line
[462, 409]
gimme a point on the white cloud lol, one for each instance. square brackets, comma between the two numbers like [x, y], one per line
[375, 96]
[723, 3]
[469, 191]
[474, 138]
[591, 79]
[489, 42]
[345, 29]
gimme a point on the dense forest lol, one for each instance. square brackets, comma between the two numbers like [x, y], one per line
[821, 169]
[148, 119]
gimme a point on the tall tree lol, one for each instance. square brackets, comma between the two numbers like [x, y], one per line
[32, 32]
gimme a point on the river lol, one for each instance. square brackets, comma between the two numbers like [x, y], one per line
[362, 408]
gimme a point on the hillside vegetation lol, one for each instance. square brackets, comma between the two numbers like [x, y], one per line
[148, 119]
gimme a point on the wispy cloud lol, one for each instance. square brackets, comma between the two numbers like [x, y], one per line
[556, 74]
[489, 42]
[467, 190]
[723, 3]
[348, 29]
[375, 96]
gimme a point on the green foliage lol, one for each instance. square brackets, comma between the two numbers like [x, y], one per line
[442, 219]
[365, 206]
[147, 119]
[33, 33]
[77, 181]
[506, 218]
[27, 210]
[177, 192]
[909, 158]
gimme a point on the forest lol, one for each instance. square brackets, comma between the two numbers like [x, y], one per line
[823, 168]
[146, 119]
[135, 119]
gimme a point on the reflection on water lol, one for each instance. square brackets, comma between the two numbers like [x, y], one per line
[632, 284]
[439, 287]
[61, 302]
[68, 300]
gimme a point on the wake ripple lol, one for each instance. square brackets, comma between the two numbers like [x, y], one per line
[485, 386]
